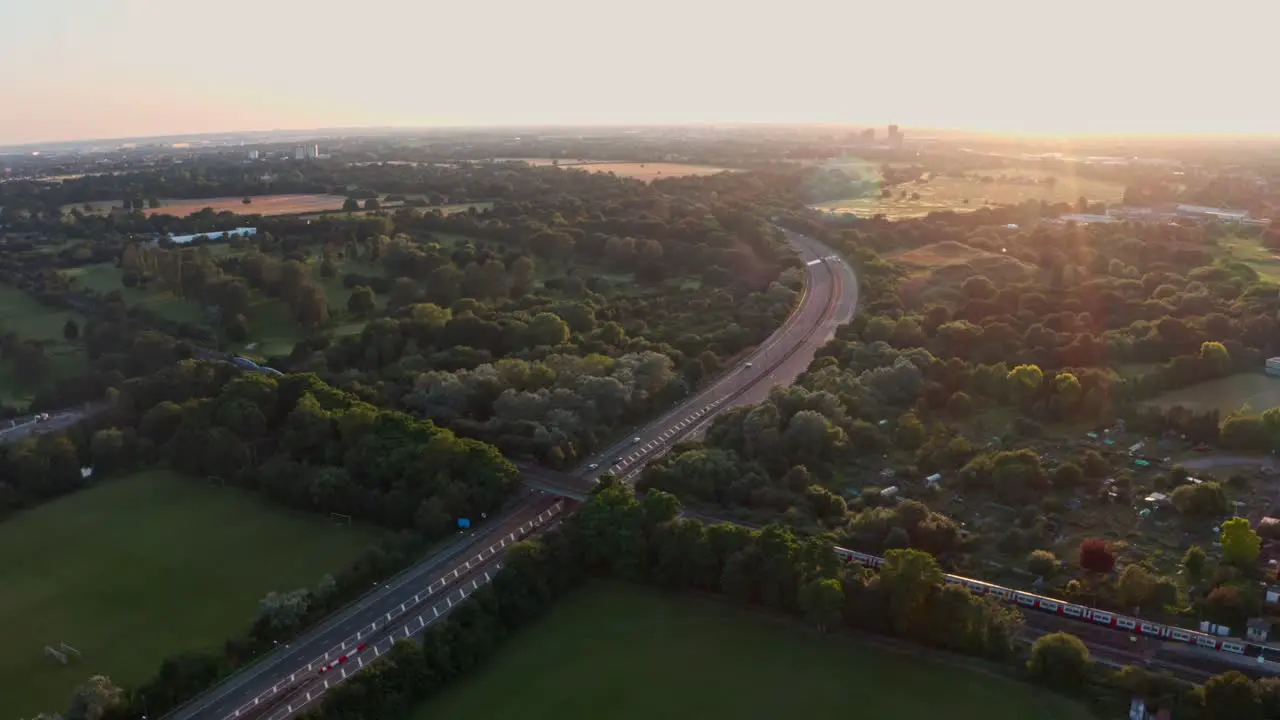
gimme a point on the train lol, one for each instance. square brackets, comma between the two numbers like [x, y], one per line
[1083, 613]
[248, 365]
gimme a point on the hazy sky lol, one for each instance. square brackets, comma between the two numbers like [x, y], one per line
[72, 69]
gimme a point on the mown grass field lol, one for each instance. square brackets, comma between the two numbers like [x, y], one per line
[29, 320]
[1257, 390]
[965, 193]
[142, 567]
[620, 652]
[1250, 251]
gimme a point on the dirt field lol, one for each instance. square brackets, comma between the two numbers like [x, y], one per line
[1257, 390]
[946, 192]
[261, 205]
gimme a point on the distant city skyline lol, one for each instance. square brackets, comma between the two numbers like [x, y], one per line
[90, 69]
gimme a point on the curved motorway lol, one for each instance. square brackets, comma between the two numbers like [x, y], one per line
[269, 688]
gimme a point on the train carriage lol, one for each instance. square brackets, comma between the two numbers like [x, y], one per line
[1085, 613]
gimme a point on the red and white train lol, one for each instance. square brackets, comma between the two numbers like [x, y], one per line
[1090, 615]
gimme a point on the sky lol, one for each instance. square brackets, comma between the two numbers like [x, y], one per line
[80, 69]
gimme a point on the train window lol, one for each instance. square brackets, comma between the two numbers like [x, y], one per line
[1206, 642]
[1236, 648]
[1151, 628]
[1179, 634]
[1102, 618]
[1049, 605]
[1126, 623]
[1072, 610]
[1025, 599]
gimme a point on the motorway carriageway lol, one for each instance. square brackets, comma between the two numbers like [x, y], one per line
[395, 600]
[829, 300]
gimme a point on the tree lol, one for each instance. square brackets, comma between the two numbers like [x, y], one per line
[822, 601]
[70, 329]
[1096, 556]
[1231, 605]
[1206, 499]
[350, 204]
[1067, 475]
[1193, 564]
[404, 292]
[1232, 696]
[1216, 355]
[1026, 381]
[96, 699]
[362, 301]
[372, 204]
[911, 577]
[1043, 563]
[547, 329]
[1240, 544]
[1060, 660]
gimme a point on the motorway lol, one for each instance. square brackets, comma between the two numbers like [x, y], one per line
[30, 425]
[829, 299]
[334, 638]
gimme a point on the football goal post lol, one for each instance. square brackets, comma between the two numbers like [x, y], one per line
[340, 518]
[62, 652]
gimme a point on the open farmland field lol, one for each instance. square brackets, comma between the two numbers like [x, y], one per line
[140, 568]
[261, 205]
[98, 566]
[945, 192]
[1257, 390]
[621, 652]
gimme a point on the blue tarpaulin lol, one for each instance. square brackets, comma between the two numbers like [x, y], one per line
[464, 523]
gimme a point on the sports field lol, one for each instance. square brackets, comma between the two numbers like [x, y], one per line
[620, 652]
[1257, 390]
[139, 568]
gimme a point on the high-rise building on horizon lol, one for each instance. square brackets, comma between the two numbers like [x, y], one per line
[895, 137]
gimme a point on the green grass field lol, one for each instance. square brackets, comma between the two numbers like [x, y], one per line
[1250, 251]
[951, 193]
[105, 278]
[22, 315]
[1257, 390]
[142, 567]
[620, 652]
